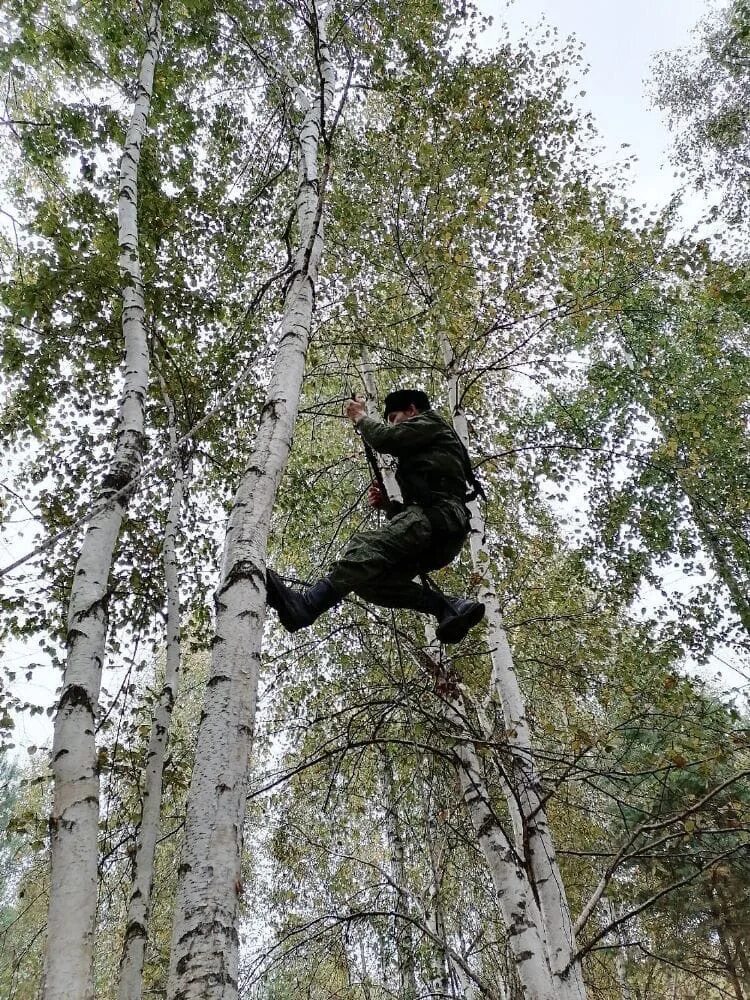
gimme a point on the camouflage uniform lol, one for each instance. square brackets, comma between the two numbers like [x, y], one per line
[426, 531]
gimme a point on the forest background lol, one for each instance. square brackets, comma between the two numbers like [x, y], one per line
[265, 207]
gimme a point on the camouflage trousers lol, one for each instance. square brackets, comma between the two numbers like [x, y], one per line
[380, 565]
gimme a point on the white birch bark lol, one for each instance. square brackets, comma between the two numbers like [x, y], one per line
[537, 848]
[139, 907]
[521, 916]
[204, 957]
[403, 928]
[74, 818]
[620, 966]
[437, 981]
[365, 370]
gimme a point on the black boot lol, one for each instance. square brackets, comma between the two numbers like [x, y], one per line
[456, 617]
[298, 609]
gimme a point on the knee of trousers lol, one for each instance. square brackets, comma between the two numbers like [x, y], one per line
[396, 549]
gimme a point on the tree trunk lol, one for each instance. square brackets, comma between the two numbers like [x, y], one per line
[436, 975]
[136, 928]
[619, 957]
[536, 851]
[204, 958]
[520, 913]
[74, 819]
[720, 927]
[403, 928]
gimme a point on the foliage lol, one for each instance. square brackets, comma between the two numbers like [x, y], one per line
[704, 91]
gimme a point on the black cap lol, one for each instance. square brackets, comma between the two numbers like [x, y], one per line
[402, 399]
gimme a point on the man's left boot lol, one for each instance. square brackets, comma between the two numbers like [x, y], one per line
[456, 617]
[298, 609]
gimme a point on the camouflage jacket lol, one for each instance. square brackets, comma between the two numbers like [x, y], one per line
[431, 469]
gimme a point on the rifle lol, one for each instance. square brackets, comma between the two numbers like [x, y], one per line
[372, 461]
[377, 472]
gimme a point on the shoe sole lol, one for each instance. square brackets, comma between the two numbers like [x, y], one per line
[459, 626]
[275, 600]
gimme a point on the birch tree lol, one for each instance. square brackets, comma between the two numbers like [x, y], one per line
[703, 89]
[139, 908]
[454, 239]
[533, 836]
[75, 812]
[204, 947]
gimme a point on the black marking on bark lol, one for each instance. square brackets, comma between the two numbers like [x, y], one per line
[100, 604]
[208, 979]
[135, 929]
[217, 679]
[207, 928]
[74, 697]
[270, 406]
[113, 482]
[221, 788]
[255, 470]
[244, 569]
[486, 825]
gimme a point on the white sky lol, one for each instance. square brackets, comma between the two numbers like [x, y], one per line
[621, 38]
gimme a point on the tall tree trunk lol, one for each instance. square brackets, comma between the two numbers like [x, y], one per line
[521, 916]
[204, 958]
[436, 977]
[74, 819]
[403, 928]
[537, 851]
[720, 927]
[619, 957]
[139, 908]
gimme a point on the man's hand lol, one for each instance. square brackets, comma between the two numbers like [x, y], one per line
[355, 409]
[376, 497]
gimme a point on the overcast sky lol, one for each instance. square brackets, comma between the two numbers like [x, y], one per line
[621, 38]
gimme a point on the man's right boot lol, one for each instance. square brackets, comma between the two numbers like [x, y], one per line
[298, 609]
[456, 617]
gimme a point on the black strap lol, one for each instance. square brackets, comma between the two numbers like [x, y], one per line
[477, 490]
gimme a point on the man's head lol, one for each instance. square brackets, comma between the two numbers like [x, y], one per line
[403, 404]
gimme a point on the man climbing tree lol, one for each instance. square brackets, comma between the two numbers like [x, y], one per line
[424, 532]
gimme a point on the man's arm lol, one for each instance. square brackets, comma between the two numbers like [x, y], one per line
[397, 439]
[390, 439]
